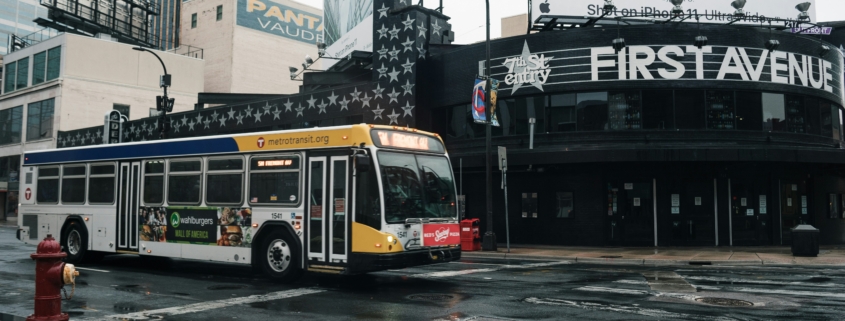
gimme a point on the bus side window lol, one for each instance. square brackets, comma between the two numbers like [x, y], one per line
[183, 182]
[224, 181]
[73, 184]
[101, 185]
[274, 180]
[48, 185]
[153, 182]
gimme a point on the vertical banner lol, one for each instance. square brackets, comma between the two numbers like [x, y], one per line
[479, 101]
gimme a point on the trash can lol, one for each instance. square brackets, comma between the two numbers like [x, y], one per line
[805, 240]
[470, 236]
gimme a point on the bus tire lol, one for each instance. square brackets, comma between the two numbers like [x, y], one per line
[74, 242]
[279, 257]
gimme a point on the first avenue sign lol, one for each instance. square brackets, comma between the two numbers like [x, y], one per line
[667, 62]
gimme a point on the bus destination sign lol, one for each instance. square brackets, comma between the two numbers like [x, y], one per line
[385, 138]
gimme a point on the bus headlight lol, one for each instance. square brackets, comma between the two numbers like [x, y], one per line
[390, 239]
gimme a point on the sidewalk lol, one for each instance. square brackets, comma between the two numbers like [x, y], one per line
[766, 255]
[8, 224]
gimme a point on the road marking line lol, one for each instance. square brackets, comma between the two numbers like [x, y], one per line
[765, 282]
[442, 274]
[653, 313]
[636, 282]
[787, 292]
[611, 290]
[210, 305]
[90, 269]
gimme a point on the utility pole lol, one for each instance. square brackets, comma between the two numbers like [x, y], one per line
[489, 240]
[163, 104]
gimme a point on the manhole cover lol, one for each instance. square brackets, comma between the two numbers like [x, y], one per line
[431, 297]
[725, 302]
[610, 256]
[227, 287]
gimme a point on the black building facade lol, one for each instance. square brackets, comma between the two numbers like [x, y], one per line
[662, 143]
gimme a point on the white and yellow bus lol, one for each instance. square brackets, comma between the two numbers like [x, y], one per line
[345, 200]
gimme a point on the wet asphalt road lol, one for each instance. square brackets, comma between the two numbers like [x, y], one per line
[129, 287]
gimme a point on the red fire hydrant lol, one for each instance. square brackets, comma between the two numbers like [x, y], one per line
[51, 274]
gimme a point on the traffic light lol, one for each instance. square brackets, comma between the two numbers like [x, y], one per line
[164, 103]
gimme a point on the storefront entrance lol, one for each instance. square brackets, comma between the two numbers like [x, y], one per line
[750, 214]
[692, 215]
[630, 213]
[794, 208]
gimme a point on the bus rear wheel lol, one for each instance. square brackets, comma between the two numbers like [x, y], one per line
[280, 257]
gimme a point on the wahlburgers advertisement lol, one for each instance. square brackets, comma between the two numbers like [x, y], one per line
[221, 226]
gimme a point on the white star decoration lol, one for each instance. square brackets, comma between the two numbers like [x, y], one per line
[248, 111]
[184, 121]
[191, 125]
[394, 54]
[378, 112]
[299, 111]
[267, 108]
[288, 105]
[408, 108]
[409, 23]
[332, 99]
[199, 119]
[378, 92]
[322, 105]
[423, 29]
[276, 114]
[355, 94]
[214, 115]
[393, 75]
[382, 33]
[422, 51]
[393, 117]
[394, 96]
[311, 102]
[240, 119]
[382, 72]
[365, 101]
[382, 53]
[382, 13]
[344, 104]
[435, 28]
[407, 65]
[394, 33]
[409, 45]
[206, 123]
[526, 55]
[258, 115]
[408, 87]
[222, 121]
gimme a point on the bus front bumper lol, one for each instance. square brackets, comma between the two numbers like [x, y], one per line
[367, 262]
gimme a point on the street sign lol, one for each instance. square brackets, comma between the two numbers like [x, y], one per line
[503, 156]
[113, 127]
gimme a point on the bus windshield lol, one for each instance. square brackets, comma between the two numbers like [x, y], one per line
[416, 186]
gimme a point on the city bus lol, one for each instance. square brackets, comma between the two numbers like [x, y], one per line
[341, 200]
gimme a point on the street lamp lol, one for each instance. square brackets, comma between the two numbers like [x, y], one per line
[163, 104]
[803, 8]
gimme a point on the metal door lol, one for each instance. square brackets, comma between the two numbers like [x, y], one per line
[692, 207]
[127, 206]
[328, 214]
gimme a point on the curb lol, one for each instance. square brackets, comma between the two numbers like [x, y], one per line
[624, 261]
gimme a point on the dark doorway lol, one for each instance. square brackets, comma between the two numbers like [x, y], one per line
[750, 214]
[691, 211]
[794, 208]
[631, 213]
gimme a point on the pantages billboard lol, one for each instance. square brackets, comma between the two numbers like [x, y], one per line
[565, 67]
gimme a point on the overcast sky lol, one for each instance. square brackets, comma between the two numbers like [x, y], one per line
[468, 16]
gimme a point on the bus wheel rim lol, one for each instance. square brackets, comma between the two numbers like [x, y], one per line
[278, 255]
[74, 242]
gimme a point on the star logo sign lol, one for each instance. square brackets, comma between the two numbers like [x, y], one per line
[365, 101]
[407, 65]
[394, 54]
[356, 95]
[435, 28]
[382, 72]
[393, 75]
[409, 45]
[408, 108]
[394, 33]
[408, 87]
[382, 53]
[378, 92]
[394, 96]
[260, 142]
[527, 69]
[423, 29]
[382, 13]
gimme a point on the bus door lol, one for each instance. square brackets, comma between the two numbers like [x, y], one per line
[328, 200]
[127, 206]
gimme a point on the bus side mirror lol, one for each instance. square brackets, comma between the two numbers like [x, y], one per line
[362, 163]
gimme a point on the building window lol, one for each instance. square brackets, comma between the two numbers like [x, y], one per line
[813, 124]
[274, 180]
[720, 109]
[689, 108]
[73, 184]
[101, 184]
[826, 119]
[561, 113]
[39, 65]
[193, 21]
[774, 113]
[658, 109]
[54, 59]
[183, 182]
[219, 12]
[9, 77]
[123, 109]
[592, 111]
[624, 110]
[529, 205]
[10, 125]
[564, 204]
[224, 181]
[39, 120]
[794, 114]
[833, 206]
[23, 73]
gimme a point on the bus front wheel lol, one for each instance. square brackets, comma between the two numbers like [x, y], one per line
[74, 242]
[280, 257]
